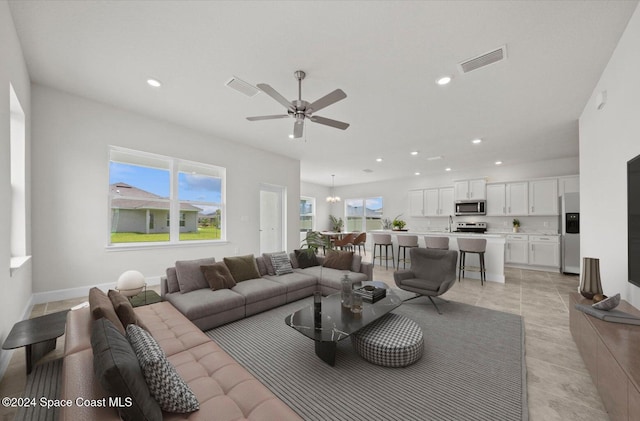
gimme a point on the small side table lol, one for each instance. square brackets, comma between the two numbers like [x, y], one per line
[38, 335]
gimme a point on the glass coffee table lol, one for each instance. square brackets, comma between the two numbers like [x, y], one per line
[337, 323]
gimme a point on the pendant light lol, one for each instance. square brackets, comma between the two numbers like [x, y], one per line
[332, 198]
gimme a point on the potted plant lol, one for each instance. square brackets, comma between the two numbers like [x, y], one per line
[516, 225]
[387, 224]
[336, 223]
[398, 224]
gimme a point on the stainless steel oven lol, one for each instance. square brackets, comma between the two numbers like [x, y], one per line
[471, 207]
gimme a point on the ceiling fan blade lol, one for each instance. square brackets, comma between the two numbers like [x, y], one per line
[275, 95]
[267, 117]
[297, 128]
[326, 100]
[329, 122]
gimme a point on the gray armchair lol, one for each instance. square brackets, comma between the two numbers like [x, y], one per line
[433, 272]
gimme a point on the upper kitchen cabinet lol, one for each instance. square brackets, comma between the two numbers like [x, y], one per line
[416, 203]
[470, 189]
[569, 184]
[543, 197]
[438, 202]
[507, 199]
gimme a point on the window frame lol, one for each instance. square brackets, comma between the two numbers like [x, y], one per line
[174, 166]
[363, 217]
[312, 214]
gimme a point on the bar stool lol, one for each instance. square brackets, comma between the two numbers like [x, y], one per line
[472, 245]
[405, 242]
[383, 240]
[440, 243]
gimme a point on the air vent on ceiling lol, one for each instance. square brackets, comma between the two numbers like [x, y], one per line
[242, 86]
[482, 60]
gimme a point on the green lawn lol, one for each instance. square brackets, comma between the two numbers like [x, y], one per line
[208, 233]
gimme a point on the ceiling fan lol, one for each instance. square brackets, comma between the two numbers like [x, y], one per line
[300, 109]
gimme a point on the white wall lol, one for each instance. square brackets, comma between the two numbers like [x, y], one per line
[71, 136]
[16, 287]
[396, 199]
[608, 139]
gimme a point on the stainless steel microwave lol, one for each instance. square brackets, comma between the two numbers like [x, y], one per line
[471, 207]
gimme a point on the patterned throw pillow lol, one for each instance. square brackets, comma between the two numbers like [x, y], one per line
[281, 263]
[165, 384]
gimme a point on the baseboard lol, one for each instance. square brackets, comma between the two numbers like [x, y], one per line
[68, 293]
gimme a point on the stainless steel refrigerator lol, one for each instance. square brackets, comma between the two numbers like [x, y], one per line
[570, 240]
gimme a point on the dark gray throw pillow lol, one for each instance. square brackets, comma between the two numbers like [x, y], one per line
[242, 268]
[190, 277]
[306, 259]
[165, 384]
[218, 276]
[117, 369]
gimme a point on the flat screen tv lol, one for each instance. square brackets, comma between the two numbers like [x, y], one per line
[633, 223]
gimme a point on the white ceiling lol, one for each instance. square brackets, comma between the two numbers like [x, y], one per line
[385, 55]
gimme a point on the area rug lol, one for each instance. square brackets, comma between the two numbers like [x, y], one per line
[473, 367]
[44, 381]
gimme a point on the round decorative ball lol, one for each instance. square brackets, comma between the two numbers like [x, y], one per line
[130, 283]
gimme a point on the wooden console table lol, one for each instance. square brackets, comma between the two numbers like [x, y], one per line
[611, 352]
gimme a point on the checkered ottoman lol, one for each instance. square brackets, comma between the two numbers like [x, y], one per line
[391, 341]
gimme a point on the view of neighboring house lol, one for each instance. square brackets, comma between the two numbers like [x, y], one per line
[137, 210]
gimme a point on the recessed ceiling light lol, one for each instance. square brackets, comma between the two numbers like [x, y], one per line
[434, 158]
[414, 153]
[476, 141]
[416, 173]
[443, 80]
[378, 159]
[154, 82]
[447, 169]
[290, 136]
[498, 162]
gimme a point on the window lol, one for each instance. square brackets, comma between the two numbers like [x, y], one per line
[363, 214]
[17, 124]
[307, 213]
[145, 188]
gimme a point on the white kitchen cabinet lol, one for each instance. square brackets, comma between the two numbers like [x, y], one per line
[496, 200]
[438, 202]
[517, 198]
[543, 197]
[544, 250]
[507, 199]
[416, 203]
[569, 184]
[445, 196]
[517, 249]
[470, 189]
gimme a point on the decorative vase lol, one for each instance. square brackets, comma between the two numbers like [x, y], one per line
[317, 310]
[346, 291]
[590, 282]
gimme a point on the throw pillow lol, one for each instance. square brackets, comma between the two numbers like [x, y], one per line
[165, 384]
[190, 277]
[242, 267]
[267, 262]
[338, 260]
[123, 308]
[172, 281]
[218, 276]
[101, 307]
[117, 369]
[281, 263]
[306, 259]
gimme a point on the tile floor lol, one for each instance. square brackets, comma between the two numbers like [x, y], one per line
[559, 386]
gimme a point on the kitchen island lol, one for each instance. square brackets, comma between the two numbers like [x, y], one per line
[493, 257]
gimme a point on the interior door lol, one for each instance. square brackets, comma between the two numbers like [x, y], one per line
[271, 218]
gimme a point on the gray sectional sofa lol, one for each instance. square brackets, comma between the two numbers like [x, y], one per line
[186, 289]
